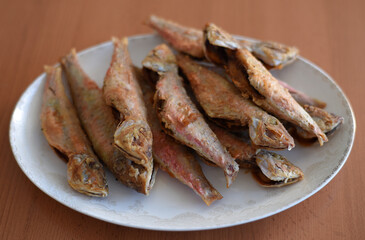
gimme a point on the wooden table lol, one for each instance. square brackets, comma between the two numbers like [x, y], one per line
[38, 32]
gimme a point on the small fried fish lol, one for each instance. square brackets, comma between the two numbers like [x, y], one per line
[63, 131]
[175, 158]
[133, 136]
[182, 120]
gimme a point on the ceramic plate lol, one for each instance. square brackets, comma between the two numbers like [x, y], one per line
[172, 206]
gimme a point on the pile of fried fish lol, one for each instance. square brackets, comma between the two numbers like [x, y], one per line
[178, 106]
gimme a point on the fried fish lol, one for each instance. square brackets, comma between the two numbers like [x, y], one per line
[175, 158]
[181, 119]
[63, 131]
[133, 135]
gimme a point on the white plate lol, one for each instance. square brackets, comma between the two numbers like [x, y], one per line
[171, 205]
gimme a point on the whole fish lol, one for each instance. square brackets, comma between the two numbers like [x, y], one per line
[99, 123]
[122, 92]
[190, 41]
[181, 119]
[272, 54]
[220, 99]
[270, 169]
[175, 158]
[63, 131]
[328, 122]
[255, 81]
[185, 123]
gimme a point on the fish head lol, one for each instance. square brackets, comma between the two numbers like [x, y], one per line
[269, 132]
[275, 54]
[218, 44]
[159, 61]
[277, 171]
[327, 122]
[84, 175]
[133, 138]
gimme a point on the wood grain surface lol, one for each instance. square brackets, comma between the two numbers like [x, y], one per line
[38, 32]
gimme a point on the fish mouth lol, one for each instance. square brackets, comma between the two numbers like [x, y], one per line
[85, 175]
[270, 133]
[134, 139]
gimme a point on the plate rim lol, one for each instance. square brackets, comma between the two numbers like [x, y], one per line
[335, 171]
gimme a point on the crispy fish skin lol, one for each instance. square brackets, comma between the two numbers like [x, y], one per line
[99, 123]
[328, 122]
[245, 71]
[181, 119]
[184, 39]
[122, 91]
[220, 99]
[63, 131]
[175, 158]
